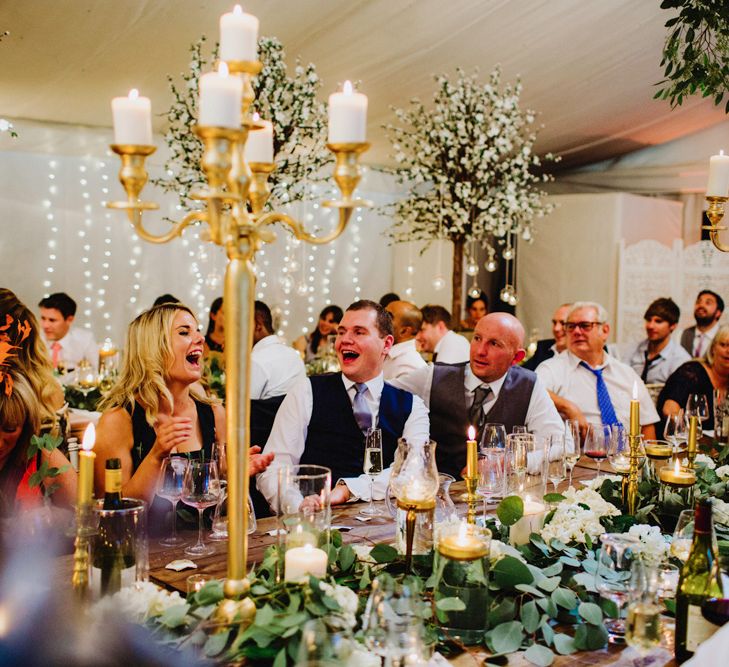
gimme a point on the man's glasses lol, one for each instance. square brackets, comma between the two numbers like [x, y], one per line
[582, 326]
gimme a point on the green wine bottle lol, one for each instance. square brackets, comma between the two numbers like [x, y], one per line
[113, 564]
[700, 579]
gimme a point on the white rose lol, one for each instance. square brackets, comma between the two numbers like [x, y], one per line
[722, 472]
[706, 460]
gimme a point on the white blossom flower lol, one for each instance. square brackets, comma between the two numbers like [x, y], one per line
[706, 460]
[720, 510]
[722, 472]
[571, 521]
[139, 602]
[596, 482]
[346, 599]
[653, 547]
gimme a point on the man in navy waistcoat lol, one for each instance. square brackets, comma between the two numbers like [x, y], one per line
[324, 418]
[489, 388]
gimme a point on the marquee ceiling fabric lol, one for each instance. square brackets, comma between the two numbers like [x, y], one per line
[588, 66]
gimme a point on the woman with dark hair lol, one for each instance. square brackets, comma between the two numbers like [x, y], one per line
[314, 344]
[476, 307]
[215, 335]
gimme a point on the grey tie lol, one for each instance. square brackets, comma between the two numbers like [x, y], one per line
[361, 409]
[475, 414]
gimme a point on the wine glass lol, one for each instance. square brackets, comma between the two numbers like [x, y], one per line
[697, 405]
[675, 430]
[493, 435]
[517, 457]
[200, 489]
[220, 516]
[372, 466]
[612, 576]
[571, 445]
[643, 624]
[556, 465]
[519, 429]
[619, 450]
[490, 473]
[683, 535]
[597, 441]
[169, 487]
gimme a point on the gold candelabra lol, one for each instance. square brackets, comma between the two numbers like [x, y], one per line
[235, 196]
[715, 213]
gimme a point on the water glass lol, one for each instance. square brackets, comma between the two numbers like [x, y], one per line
[490, 473]
[643, 624]
[516, 462]
[556, 464]
[612, 576]
[721, 415]
[220, 517]
[572, 444]
[201, 489]
[169, 487]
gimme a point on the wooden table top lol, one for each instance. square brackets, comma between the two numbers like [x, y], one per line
[378, 529]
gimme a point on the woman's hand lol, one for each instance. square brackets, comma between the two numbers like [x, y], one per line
[258, 462]
[171, 432]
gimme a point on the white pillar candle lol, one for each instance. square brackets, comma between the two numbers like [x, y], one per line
[718, 185]
[220, 99]
[259, 146]
[347, 116]
[531, 522]
[132, 119]
[304, 561]
[238, 35]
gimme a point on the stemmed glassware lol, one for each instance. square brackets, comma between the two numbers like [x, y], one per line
[697, 405]
[494, 435]
[612, 575]
[490, 473]
[643, 625]
[683, 535]
[556, 465]
[372, 466]
[517, 457]
[571, 444]
[169, 487]
[201, 489]
[675, 430]
[597, 441]
[219, 531]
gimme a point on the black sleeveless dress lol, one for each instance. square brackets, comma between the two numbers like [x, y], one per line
[159, 521]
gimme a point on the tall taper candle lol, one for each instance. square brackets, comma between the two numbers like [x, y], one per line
[85, 488]
[635, 412]
[471, 453]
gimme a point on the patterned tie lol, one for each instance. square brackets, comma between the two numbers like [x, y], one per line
[607, 411]
[55, 353]
[699, 344]
[361, 409]
[475, 413]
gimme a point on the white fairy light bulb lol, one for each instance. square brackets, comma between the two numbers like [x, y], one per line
[438, 283]
[302, 289]
[410, 269]
[504, 295]
[474, 292]
[212, 280]
[471, 267]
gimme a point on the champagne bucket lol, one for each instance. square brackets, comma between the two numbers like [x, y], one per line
[119, 551]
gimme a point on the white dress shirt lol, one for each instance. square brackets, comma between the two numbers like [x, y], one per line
[275, 368]
[564, 376]
[288, 436]
[542, 417]
[76, 345]
[402, 359]
[702, 340]
[668, 360]
[452, 349]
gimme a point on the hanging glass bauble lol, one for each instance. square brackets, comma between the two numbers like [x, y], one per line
[527, 234]
[471, 267]
[439, 283]
[513, 299]
[504, 295]
[491, 265]
[508, 253]
[474, 292]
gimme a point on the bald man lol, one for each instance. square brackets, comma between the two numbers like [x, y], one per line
[490, 388]
[403, 357]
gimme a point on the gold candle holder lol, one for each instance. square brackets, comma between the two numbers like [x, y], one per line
[715, 213]
[680, 480]
[413, 508]
[231, 188]
[693, 440]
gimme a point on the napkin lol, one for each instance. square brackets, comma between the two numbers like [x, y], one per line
[713, 652]
[180, 564]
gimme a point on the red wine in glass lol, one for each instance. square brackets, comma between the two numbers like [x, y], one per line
[597, 455]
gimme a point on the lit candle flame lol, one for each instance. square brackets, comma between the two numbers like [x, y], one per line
[133, 94]
[256, 117]
[347, 88]
[89, 438]
[237, 10]
[222, 69]
[471, 433]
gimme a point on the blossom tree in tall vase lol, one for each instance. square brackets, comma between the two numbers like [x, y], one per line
[470, 171]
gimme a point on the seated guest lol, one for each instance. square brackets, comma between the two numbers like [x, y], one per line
[388, 298]
[548, 347]
[403, 357]
[476, 309]
[215, 335]
[491, 388]
[657, 356]
[20, 419]
[435, 336]
[314, 344]
[154, 409]
[165, 298]
[708, 310]
[324, 418]
[698, 377]
[588, 384]
[68, 345]
[275, 367]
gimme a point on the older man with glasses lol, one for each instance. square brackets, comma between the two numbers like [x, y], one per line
[588, 384]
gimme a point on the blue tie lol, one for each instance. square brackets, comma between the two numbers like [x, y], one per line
[361, 409]
[607, 411]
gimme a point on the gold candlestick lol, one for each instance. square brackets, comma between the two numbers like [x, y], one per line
[232, 187]
[630, 490]
[715, 213]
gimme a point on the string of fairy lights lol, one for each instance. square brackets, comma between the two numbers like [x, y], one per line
[295, 279]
